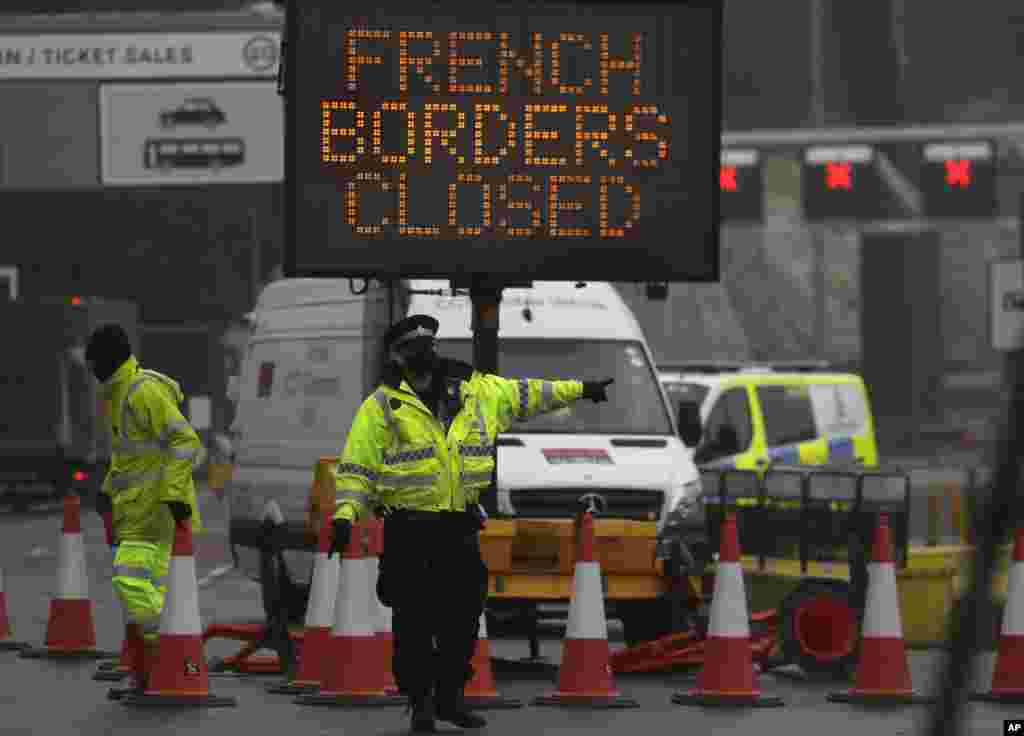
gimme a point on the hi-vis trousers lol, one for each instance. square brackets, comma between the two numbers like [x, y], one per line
[140, 582]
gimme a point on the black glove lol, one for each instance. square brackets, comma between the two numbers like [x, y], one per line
[342, 533]
[104, 504]
[179, 510]
[596, 391]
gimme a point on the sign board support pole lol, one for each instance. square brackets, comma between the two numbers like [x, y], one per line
[486, 300]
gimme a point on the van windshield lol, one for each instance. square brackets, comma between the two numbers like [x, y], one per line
[635, 404]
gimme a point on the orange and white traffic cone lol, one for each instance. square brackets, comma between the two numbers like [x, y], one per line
[70, 631]
[319, 619]
[382, 614]
[883, 672]
[480, 693]
[585, 673]
[1008, 678]
[6, 642]
[179, 676]
[355, 674]
[728, 677]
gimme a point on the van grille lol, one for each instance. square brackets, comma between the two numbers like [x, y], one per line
[563, 503]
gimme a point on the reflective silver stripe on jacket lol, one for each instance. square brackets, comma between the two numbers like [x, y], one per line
[130, 571]
[547, 394]
[137, 447]
[408, 457]
[408, 481]
[357, 496]
[476, 478]
[126, 406]
[184, 453]
[385, 406]
[121, 481]
[360, 470]
[524, 397]
[481, 425]
[172, 428]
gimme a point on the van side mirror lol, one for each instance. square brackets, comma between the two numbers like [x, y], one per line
[690, 430]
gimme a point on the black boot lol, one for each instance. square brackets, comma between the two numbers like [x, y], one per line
[451, 707]
[422, 707]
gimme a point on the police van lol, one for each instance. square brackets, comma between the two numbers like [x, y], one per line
[312, 359]
[795, 413]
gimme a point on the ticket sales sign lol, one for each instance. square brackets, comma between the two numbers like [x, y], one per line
[558, 142]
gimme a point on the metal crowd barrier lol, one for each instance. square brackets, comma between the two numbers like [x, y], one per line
[820, 513]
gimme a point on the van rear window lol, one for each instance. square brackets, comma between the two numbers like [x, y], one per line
[840, 409]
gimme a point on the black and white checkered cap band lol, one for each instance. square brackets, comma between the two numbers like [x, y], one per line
[420, 331]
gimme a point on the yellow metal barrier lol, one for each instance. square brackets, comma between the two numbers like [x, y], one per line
[218, 475]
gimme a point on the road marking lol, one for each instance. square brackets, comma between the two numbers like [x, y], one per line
[214, 574]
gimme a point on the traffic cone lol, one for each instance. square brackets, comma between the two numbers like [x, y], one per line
[319, 617]
[71, 631]
[355, 675]
[6, 643]
[585, 673]
[883, 672]
[179, 676]
[1008, 678]
[382, 614]
[480, 693]
[728, 677]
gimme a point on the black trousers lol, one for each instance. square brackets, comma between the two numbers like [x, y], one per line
[433, 578]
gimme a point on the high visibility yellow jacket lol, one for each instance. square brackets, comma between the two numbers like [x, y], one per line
[397, 454]
[154, 448]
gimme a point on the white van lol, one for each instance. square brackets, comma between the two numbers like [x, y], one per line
[310, 364]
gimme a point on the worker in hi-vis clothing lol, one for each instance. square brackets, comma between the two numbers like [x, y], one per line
[149, 486]
[421, 450]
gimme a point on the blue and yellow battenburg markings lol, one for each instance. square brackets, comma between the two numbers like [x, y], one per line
[839, 448]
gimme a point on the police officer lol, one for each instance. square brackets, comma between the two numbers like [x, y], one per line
[149, 486]
[421, 448]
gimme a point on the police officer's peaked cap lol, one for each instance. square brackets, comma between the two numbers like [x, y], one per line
[410, 328]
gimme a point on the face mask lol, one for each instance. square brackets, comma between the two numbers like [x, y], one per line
[421, 363]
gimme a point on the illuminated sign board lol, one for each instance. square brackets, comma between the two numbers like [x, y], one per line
[958, 179]
[840, 182]
[741, 185]
[576, 141]
[900, 179]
